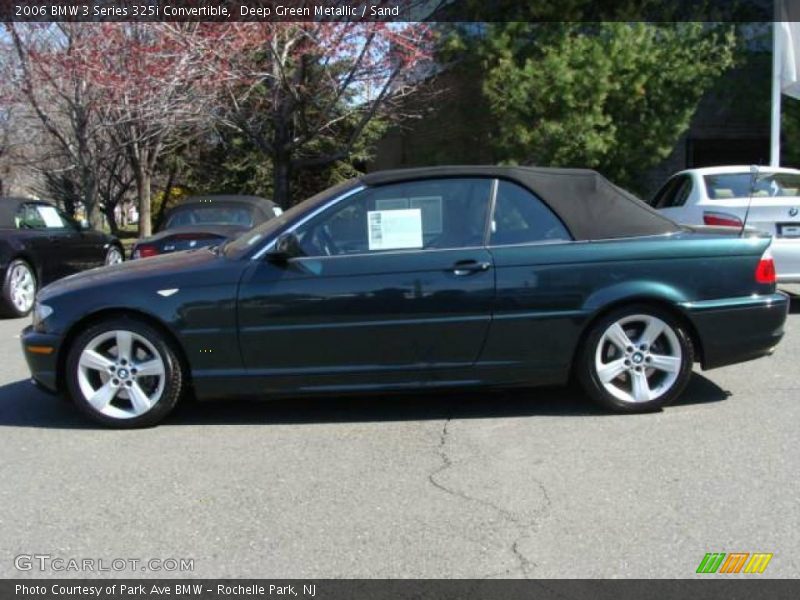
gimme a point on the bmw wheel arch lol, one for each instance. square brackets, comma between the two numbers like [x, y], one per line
[124, 372]
[637, 358]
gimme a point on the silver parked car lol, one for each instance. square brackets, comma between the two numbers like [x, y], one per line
[763, 198]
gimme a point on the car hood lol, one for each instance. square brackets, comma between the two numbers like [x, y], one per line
[220, 230]
[174, 268]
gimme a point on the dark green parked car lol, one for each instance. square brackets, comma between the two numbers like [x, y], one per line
[417, 280]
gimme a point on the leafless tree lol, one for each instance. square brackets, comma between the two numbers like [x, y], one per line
[154, 95]
[51, 78]
[305, 93]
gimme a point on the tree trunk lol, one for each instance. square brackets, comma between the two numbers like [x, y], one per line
[143, 194]
[95, 216]
[281, 180]
[111, 218]
[162, 210]
[69, 206]
[91, 207]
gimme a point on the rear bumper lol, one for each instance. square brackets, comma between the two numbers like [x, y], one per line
[43, 365]
[735, 330]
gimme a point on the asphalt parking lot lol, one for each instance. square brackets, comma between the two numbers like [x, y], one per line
[513, 484]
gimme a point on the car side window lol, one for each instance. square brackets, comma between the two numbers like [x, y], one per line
[521, 218]
[681, 193]
[664, 195]
[674, 193]
[29, 218]
[428, 214]
[21, 218]
[40, 216]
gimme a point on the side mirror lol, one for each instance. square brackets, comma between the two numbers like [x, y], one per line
[83, 225]
[286, 247]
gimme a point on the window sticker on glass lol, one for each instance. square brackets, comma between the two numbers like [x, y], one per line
[391, 203]
[431, 207]
[394, 229]
[50, 216]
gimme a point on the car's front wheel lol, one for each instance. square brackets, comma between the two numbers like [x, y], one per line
[19, 289]
[636, 359]
[124, 373]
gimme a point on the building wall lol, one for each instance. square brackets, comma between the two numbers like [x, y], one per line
[452, 129]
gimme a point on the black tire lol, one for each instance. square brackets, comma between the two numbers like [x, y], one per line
[587, 371]
[173, 378]
[111, 250]
[7, 306]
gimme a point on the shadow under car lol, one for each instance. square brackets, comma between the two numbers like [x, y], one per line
[23, 405]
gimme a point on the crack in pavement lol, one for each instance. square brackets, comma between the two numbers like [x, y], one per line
[524, 564]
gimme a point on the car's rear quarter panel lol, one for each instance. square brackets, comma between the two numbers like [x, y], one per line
[547, 294]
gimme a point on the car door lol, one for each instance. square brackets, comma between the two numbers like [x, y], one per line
[540, 289]
[92, 247]
[56, 239]
[86, 247]
[393, 282]
[38, 243]
[67, 249]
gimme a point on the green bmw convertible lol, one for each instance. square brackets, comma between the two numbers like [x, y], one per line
[422, 279]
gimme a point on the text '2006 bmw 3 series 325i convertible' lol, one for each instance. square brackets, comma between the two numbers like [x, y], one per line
[442, 277]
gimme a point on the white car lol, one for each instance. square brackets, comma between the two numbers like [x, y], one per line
[763, 198]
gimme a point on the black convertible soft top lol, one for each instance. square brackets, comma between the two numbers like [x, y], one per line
[242, 199]
[590, 205]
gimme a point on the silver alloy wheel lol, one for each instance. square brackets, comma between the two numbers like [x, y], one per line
[121, 374]
[638, 358]
[114, 256]
[23, 287]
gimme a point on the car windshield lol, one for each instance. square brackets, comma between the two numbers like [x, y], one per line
[217, 214]
[744, 185]
[252, 238]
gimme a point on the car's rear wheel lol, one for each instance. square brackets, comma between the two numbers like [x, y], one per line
[636, 359]
[114, 256]
[124, 373]
[19, 289]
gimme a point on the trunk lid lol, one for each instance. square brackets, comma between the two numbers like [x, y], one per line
[778, 216]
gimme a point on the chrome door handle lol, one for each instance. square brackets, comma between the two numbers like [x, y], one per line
[465, 267]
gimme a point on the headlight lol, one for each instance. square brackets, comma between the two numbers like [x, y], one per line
[40, 313]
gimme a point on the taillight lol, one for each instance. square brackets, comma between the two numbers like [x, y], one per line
[721, 219]
[765, 271]
[145, 250]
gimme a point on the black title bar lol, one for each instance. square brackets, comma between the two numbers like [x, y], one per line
[389, 10]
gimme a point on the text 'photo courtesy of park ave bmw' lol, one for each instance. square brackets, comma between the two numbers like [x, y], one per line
[444, 290]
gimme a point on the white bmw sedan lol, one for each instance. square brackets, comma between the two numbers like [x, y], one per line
[763, 198]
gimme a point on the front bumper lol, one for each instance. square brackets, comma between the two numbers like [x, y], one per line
[735, 330]
[43, 363]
